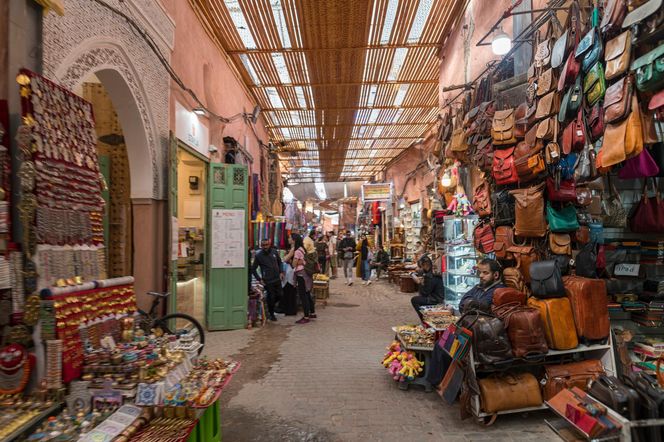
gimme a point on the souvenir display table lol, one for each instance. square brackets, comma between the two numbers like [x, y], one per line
[419, 341]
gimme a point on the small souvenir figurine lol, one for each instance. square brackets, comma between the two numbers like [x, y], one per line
[127, 329]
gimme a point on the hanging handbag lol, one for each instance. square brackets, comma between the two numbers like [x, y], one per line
[640, 166]
[614, 14]
[560, 243]
[596, 122]
[483, 237]
[566, 166]
[528, 161]
[596, 230]
[613, 211]
[585, 262]
[513, 278]
[584, 197]
[543, 51]
[458, 144]
[504, 240]
[547, 128]
[657, 154]
[503, 208]
[564, 192]
[502, 128]
[589, 49]
[572, 101]
[546, 280]
[546, 83]
[529, 211]
[547, 106]
[483, 156]
[594, 84]
[570, 72]
[582, 236]
[574, 135]
[585, 166]
[622, 140]
[569, 39]
[617, 55]
[649, 70]
[520, 121]
[563, 220]
[648, 215]
[618, 101]
[482, 200]
[503, 170]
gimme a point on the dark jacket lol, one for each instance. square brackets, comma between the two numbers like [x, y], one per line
[432, 288]
[347, 243]
[364, 250]
[479, 294]
[270, 264]
[382, 257]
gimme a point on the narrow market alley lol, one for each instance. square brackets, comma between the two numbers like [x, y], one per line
[323, 381]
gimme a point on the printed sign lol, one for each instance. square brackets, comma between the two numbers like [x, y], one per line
[624, 269]
[377, 192]
[228, 243]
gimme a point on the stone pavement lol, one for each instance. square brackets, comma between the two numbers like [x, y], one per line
[323, 381]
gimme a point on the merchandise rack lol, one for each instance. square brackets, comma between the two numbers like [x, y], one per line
[426, 352]
[33, 423]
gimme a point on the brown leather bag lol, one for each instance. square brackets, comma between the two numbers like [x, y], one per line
[520, 120]
[508, 295]
[529, 211]
[458, 141]
[547, 128]
[503, 169]
[483, 156]
[529, 167]
[582, 236]
[524, 256]
[589, 301]
[560, 243]
[547, 106]
[618, 101]
[504, 240]
[509, 392]
[502, 128]
[617, 55]
[547, 82]
[524, 328]
[512, 277]
[574, 374]
[622, 140]
[482, 200]
[558, 321]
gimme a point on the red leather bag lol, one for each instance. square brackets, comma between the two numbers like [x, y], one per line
[504, 170]
[483, 237]
[574, 135]
[504, 240]
[570, 71]
[508, 295]
[596, 122]
[648, 216]
[482, 200]
[566, 191]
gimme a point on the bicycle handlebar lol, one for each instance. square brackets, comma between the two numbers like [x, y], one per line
[159, 295]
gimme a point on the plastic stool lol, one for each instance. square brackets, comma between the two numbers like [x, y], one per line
[208, 428]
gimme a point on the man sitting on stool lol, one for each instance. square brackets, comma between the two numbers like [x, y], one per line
[481, 295]
[431, 290]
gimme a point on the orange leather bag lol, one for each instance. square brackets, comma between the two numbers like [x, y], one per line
[529, 211]
[558, 321]
[622, 140]
[574, 374]
[502, 129]
[509, 392]
[617, 55]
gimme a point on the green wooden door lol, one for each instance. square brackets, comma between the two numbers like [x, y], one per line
[226, 262]
[172, 222]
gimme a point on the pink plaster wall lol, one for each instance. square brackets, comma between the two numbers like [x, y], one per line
[205, 69]
[399, 171]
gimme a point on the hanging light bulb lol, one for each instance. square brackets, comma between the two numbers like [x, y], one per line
[446, 180]
[501, 43]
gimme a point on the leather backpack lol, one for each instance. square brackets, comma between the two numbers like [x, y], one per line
[586, 261]
[482, 200]
[483, 238]
[546, 279]
[529, 211]
[490, 341]
[524, 328]
[502, 129]
[560, 244]
[503, 208]
[483, 155]
[512, 277]
[504, 240]
[524, 256]
[504, 170]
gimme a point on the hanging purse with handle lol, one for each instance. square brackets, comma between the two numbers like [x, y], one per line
[483, 156]
[589, 49]
[547, 106]
[618, 101]
[640, 166]
[649, 70]
[568, 40]
[483, 237]
[585, 166]
[614, 14]
[502, 128]
[503, 170]
[524, 255]
[648, 215]
[574, 135]
[503, 208]
[504, 240]
[482, 200]
[543, 51]
[563, 220]
[528, 161]
[617, 55]
[596, 122]
[594, 84]
[564, 191]
[560, 243]
[547, 82]
[613, 211]
[622, 140]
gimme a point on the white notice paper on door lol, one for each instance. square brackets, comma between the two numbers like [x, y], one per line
[228, 246]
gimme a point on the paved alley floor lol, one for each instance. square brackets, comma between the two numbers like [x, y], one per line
[323, 381]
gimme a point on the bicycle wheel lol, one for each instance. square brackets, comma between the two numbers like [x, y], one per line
[179, 324]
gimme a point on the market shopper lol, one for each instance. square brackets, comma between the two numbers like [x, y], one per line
[431, 290]
[322, 250]
[267, 258]
[481, 295]
[304, 281]
[364, 257]
[347, 247]
[332, 253]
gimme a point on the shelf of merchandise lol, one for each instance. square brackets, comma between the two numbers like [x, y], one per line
[29, 426]
[456, 281]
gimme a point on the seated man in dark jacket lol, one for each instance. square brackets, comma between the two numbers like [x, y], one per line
[431, 290]
[482, 294]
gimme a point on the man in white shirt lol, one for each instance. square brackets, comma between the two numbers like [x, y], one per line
[332, 247]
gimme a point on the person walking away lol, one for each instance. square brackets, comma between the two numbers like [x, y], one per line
[481, 295]
[301, 278]
[347, 247]
[364, 256]
[321, 250]
[311, 267]
[267, 258]
[431, 290]
[332, 253]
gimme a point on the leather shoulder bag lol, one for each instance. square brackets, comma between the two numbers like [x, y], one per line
[546, 280]
[617, 55]
[503, 208]
[547, 106]
[560, 243]
[648, 215]
[649, 70]
[483, 156]
[502, 128]
[568, 40]
[482, 200]
[574, 135]
[614, 14]
[563, 191]
[613, 211]
[504, 240]
[563, 220]
[528, 161]
[483, 237]
[503, 170]
[529, 211]
[594, 84]
[618, 101]
[512, 277]
[524, 255]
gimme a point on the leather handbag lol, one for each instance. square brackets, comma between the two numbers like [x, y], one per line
[458, 143]
[640, 166]
[567, 166]
[596, 231]
[570, 72]
[614, 14]
[504, 240]
[564, 191]
[546, 280]
[483, 156]
[582, 236]
[502, 128]
[648, 215]
[647, 12]
[524, 328]
[563, 220]
[513, 278]
[622, 140]
[613, 211]
[589, 49]
[616, 395]
[504, 170]
[594, 84]
[529, 163]
[546, 83]
[560, 243]
[547, 128]
[596, 122]
[617, 55]
[482, 200]
[483, 237]
[509, 392]
[524, 256]
[520, 121]
[574, 374]
[574, 135]
[529, 211]
[547, 106]
[585, 169]
[586, 261]
[569, 39]
[657, 154]
[649, 70]
[503, 208]
[490, 342]
[543, 51]
[618, 101]
[508, 295]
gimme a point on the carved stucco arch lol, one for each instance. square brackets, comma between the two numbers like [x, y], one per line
[112, 65]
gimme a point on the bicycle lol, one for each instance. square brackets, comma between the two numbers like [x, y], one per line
[177, 324]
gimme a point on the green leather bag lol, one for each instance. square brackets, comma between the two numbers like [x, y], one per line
[649, 70]
[563, 220]
[594, 84]
[571, 102]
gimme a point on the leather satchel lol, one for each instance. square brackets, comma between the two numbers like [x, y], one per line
[575, 374]
[614, 14]
[504, 240]
[570, 72]
[482, 200]
[503, 208]
[617, 55]
[524, 328]
[546, 280]
[483, 156]
[529, 211]
[574, 135]
[490, 342]
[547, 82]
[618, 101]
[547, 106]
[483, 238]
[520, 121]
[543, 51]
[504, 170]
[458, 141]
[640, 166]
[502, 128]
[594, 84]
[649, 70]
[564, 191]
[563, 220]
[582, 236]
[560, 244]
[529, 162]
[589, 49]
[622, 140]
[509, 392]
[648, 215]
[596, 122]
[569, 39]
[547, 128]
[524, 256]
[508, 295]
[512, 277]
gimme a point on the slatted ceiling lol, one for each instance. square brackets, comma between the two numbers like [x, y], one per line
[319, 67]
